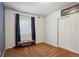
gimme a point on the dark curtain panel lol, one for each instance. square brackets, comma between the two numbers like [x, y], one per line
[17, 30]
[33, 28]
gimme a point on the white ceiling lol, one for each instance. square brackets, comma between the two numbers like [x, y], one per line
[39, 8]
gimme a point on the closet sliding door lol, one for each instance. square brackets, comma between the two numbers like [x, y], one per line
[69, 32]
[75, 32]
[64, 32]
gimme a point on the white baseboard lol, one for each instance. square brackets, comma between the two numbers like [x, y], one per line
[3, 53]
[69, 50]
[64, 48]
[0, 53]
[51, 44]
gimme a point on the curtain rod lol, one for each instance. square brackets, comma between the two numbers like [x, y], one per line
[25, 16]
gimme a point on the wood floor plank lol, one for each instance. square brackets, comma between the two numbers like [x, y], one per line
[39, 50]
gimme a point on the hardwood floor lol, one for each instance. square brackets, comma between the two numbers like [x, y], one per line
[39, 50]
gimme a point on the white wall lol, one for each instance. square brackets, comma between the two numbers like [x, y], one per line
[40, 29]
[10, 27]
[51, 28]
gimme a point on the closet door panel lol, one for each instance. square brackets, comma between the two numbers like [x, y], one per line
[69, 32]
[64, 33]
[75, 32]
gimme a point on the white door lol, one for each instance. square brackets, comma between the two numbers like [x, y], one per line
[64, 33]
[69, 32]
[75, 32]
